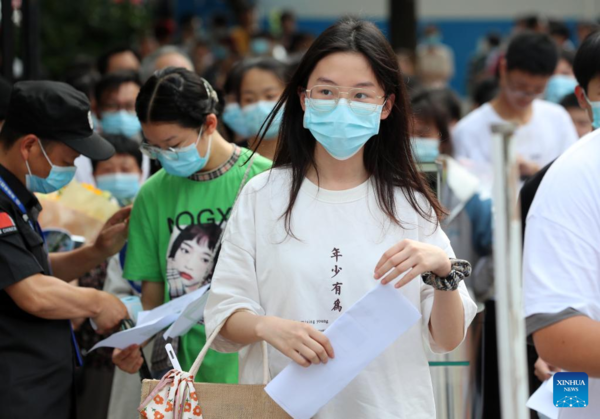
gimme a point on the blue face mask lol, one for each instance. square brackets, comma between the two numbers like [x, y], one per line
[558, 87]
[595, 111]
[234, 118]
[121, 122]
[186, 161]
[426, 150]
[341, 131]
[256, 114]
[58, 177]
[123, 186]
[433, 39]
[260, 46]
[220, 52]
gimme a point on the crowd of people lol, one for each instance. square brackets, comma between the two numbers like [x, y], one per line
[285, 171]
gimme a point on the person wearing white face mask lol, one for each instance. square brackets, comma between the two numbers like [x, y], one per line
[260, 84]
[343, 208]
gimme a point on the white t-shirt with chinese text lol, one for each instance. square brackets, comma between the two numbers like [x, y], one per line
[317, 276]
[561, 264]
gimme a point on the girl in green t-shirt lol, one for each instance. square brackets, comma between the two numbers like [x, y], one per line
[181, 211]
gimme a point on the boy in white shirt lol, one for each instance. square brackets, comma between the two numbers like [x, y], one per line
[545, 129]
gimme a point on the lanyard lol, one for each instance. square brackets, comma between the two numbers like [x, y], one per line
[9, 192]
[36, 227]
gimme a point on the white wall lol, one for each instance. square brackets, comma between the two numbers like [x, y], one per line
[449, 9]
[329, 9]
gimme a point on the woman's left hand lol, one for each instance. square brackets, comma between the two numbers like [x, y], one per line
[410, 254]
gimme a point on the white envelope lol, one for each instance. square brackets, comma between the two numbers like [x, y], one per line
[358, 336]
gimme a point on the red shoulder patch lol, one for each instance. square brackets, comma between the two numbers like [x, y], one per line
[7, 224]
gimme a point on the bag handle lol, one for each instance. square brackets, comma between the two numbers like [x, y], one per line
[198, 362]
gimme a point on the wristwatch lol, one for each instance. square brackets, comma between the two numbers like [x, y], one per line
[460, 269]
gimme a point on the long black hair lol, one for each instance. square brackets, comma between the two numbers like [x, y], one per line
[388, 156]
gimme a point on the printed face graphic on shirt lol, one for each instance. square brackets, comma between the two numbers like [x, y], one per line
[191, 258]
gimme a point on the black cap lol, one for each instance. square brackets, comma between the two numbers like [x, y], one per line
[56, 111]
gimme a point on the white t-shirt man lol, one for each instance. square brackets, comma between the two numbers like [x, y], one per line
[315, 278]
[561, 265]
[545, 137]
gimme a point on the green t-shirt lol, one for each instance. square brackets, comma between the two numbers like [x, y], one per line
[174, 227]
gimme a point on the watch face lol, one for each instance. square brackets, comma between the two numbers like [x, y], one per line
[58, 241]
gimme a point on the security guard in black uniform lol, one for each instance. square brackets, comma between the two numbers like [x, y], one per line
[47, 127]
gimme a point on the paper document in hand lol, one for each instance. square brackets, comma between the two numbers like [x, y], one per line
[151, 322]
[542, 401]
[191, 316]
[358, 336]
[175, 306]
[136, 335]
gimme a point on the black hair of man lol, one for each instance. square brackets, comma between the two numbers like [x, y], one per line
[104, 59]
[587, 60]
[114, 80]
[559, 28]
[287, 15]
[123, 145]
[570, 101]
[568, 55]
[533, 53]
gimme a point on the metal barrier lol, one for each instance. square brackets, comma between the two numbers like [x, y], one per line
[507, 275]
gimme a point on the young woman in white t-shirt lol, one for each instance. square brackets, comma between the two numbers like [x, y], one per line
[344, 207]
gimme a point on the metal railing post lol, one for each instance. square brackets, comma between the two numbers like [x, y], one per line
[507, 272]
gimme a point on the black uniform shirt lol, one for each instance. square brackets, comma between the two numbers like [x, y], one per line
[36, 355]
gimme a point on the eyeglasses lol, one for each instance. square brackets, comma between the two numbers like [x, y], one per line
[323, 98]
[168, 153]
[153, 152]
[522, 93]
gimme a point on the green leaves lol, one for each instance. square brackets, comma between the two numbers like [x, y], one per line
[88, 28]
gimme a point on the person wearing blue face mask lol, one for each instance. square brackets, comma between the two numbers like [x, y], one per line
[115, 103]
[47, 127]
[121, 174]
[196, 189]
[260, 84]
[343, 208]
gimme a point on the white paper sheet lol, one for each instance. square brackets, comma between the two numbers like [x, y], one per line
[175, 306]
[151, 322]
[193, 313]
[542, 401]
[358, 336]
[136, 335]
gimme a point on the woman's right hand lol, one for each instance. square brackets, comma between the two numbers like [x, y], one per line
[299, 341]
